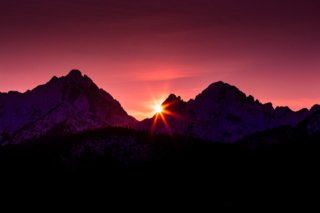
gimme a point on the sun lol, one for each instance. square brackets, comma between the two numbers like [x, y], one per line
[158, 109]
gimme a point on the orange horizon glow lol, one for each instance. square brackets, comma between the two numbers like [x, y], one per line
[153, 94]
[132, 50]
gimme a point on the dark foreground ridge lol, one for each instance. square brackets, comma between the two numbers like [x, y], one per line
[120, 160]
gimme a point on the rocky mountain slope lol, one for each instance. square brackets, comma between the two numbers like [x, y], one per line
[221, 113]
[67, 104]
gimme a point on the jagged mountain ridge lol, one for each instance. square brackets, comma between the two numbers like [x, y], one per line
[311, 124]
[73, 103]
[223, 113]
[68, 104]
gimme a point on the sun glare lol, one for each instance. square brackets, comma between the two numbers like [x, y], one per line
[158, 109]
[162, 114]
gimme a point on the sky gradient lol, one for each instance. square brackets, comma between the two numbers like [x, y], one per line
[144, 50]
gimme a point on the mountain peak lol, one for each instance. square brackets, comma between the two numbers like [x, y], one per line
[220, 85]
[77, 78]
[222, 91]
[74, 73]
[172, 98]
[315, 108]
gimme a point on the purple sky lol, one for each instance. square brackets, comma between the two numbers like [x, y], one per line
[142, 50]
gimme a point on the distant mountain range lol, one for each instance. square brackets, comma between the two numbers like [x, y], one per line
[223, 113]
[73, 103]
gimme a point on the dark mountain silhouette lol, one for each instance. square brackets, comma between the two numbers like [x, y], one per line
[311, 125]
[223, 113]
[68, 104]
[77, 136]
